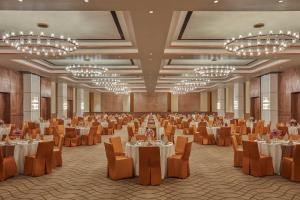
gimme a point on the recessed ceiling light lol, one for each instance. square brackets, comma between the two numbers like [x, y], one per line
[20, 0]
[86, 1]
[280, 1]
[150, 54]
[216, 1]
[42, 25]
[151, 11]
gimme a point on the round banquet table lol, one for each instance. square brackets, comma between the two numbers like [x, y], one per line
[23, 148]
[213, 130]
[193, 123]
[83, 130]
[4, 131]
[132, 150]
[272, 149]
[44, 125]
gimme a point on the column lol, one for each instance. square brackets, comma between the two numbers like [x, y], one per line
[53, 98]
[31, 98]
[80, 102]
[229, 99]
[238, 100]
[86, 101]
[269, 98]
[203, 101]
[126, 102]
[62, 100]
[221, 101]
[174, 103]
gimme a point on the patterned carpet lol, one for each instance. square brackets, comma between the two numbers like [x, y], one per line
[83, 176]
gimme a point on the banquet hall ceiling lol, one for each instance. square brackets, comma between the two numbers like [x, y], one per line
[151, 44]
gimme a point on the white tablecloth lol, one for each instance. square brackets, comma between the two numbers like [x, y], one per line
[293, 130]
[23, 148]
[83, 130]
[165, 152]
[193, 123]
[104, 124]
[273, 150]
[212, 130]
[44, 125]
[4, 131]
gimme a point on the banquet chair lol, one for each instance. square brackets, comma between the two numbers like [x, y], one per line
[149, 166]
[181, 141]
[96, 123]
[130, 132]
[71, 138]
[290, 167]
[8, 167]
[202, 137]
[140, 137]
[224, 137]
[202, 124]
[238, 152]
[41, 163]
[61, 122]
[185, 127]
[260, 165]
[246, 158]
[178, 165]
[89, 138]
[57, 153]
[118, 167]
[110, 128]
[117, 144]
[97, 136]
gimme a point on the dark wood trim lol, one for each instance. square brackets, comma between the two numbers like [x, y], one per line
[132, 62]
[91, 99]
[169, 61]
[131, 102]
[116, 20]
[184, 25]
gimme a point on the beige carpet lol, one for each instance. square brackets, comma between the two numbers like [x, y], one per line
[83, 176]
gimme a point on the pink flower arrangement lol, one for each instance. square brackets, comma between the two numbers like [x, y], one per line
[149, 132]
[275, 133]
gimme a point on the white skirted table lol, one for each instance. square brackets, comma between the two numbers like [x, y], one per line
[23, 148]
[132, 150]
[4, 131]
[83, 130]
[44, 125]
[274, 150]
[213, 130]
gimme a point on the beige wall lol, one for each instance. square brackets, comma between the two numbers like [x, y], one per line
[155, 102]
[97, 102]
[174, 103]
[203, 102]
[247, 97]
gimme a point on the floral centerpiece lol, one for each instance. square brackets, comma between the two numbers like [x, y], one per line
[275, 133]
[251, 119]
[149, 133]
[293, 122]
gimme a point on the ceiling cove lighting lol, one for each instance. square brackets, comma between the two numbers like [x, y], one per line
[86, 71]
[261, 43]
[214, 72]
[40, 43]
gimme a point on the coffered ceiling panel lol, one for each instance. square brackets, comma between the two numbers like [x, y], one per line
[90, 25]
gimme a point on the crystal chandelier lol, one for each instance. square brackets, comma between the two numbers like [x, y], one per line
[186, 86]
[261, 43]
[86, 71]
[118, 88]
[214, 71]
[106, 81]
[40, 43]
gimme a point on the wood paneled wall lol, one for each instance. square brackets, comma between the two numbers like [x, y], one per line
[288, 83]
[189, 102]
[12, 82]
[155, 102]
[45, 87]
[255, 87]
[111, 102]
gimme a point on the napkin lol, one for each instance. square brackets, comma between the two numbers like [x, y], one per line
[165, 139]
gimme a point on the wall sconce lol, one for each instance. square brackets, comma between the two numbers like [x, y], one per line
[65, 106]
[82, 106]
[35, 103]
[218, 105]
[235, 105]
[265, 103]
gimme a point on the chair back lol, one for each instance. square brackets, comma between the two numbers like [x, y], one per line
[234, 143]
[202, 124]
[61, 122]
[202, 131]
[93, 131]
[141, 137]
[130, 131]
[110, 155]
[187, 151]
[96, 123]
[117, 144]
[60, 142]
[60, 129]
[44, 150]
[253, 151]
[296, 155]
[246, 149]
[70, 133]
[181, 141]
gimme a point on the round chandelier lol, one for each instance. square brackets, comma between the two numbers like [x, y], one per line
[214, 71]
[186, 86]
[105, 81]
[261, 43]
[118, 88]
[40, 43]
[86, 71]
